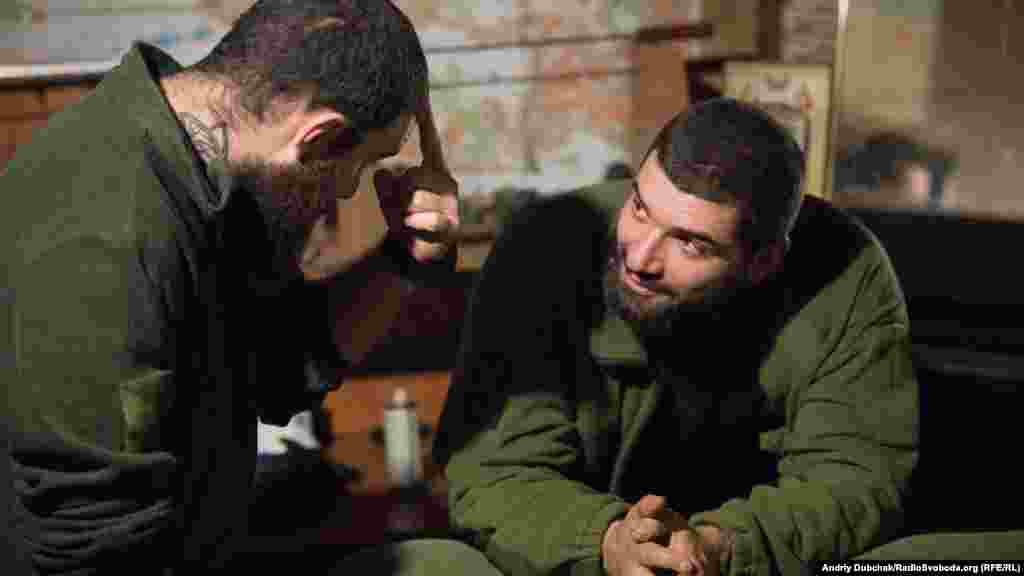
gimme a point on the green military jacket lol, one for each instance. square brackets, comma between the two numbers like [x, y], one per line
[795, 425]
[144, 354]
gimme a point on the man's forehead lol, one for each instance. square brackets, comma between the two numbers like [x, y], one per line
[686, 208]
[701, 181]
[701, 178]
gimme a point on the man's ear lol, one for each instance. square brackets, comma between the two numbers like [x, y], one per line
[767, 261]
[317, 132]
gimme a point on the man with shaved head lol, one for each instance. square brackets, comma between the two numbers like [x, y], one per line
[170, 241]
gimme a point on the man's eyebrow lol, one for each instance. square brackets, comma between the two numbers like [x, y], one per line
[682, 232]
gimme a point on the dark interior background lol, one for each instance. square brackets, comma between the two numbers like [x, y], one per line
[963, 287]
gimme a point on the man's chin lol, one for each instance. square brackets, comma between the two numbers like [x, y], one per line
[634, 311]
[645, 318]
[642, 307]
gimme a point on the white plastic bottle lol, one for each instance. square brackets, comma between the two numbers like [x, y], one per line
[402, 440]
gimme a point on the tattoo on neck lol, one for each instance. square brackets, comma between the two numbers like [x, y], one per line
[211, 142]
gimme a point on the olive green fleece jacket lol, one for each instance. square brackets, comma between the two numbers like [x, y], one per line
[145, 350]
[792, 421]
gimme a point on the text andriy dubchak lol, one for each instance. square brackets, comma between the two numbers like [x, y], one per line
[900, 567]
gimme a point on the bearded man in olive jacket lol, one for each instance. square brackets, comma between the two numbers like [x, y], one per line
[698, 370]
[157, 237]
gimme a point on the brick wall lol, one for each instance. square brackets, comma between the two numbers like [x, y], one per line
[807, 31]
[25, 109]
[550, 135]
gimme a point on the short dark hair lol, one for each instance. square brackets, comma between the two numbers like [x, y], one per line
[729, 151]
[359, 57]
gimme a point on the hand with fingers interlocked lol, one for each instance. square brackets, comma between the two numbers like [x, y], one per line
[654, 539]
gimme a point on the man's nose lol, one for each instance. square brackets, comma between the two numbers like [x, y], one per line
[644, 256]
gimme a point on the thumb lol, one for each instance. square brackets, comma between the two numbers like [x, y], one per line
[650, 505]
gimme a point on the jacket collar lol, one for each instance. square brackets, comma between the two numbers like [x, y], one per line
[613, 341]
[137, 78]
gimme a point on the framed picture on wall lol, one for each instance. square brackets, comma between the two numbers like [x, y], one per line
[798, 96]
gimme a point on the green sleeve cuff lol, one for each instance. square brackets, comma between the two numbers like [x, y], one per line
[746, 559]
[592, 534]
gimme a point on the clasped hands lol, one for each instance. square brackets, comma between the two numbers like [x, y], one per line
[653, 539]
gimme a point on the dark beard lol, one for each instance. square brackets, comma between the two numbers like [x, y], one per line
[670, 316]
[290, 199]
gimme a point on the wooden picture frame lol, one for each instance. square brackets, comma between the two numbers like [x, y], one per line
[799, 96]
